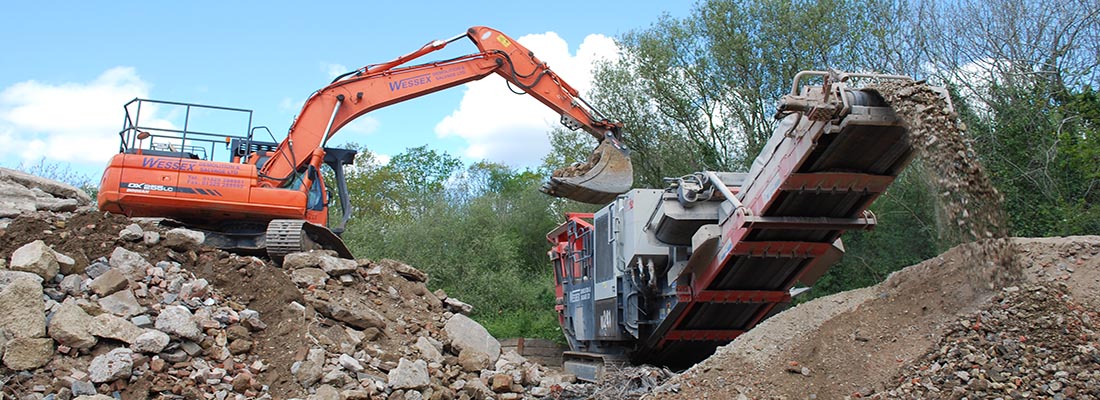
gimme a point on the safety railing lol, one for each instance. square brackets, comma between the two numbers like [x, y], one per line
[159, 131]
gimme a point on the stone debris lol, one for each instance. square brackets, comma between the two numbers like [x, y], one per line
[1033, 341]
[151, 341]
[22, 194]
[464, 333]
[136, 310]
[108, 283]
[37, 258]
[116, 364]
[23, 353]
[70, 326]
[21, 302]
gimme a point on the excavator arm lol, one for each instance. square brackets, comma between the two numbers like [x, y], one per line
[607, 174]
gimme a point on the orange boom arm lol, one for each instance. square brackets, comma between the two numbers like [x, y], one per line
[376, 86]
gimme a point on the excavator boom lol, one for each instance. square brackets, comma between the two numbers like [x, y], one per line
[375, 86]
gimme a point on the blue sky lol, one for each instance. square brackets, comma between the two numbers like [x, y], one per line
[66, 68]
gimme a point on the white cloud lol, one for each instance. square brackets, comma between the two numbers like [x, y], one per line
[334, 70]
[289, 104]
[382, 159]
[68, 122]
[363, 125]
[501, 126]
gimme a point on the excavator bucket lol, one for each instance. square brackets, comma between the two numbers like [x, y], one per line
[607, 174]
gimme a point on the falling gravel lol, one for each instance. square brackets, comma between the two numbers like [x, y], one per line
[969, 206]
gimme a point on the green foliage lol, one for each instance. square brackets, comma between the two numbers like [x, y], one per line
[479, 234]
[698, 93]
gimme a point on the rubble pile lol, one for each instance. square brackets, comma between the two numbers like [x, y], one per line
[1032, 341]
[98, 304]
[26, 193]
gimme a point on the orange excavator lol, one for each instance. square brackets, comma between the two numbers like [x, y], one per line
[272, 196]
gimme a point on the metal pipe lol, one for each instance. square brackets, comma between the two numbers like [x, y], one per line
[721, 186]
[328, 134]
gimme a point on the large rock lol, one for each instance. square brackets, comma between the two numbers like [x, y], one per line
[117, 364]
[70, 326]
[71, 285]
[66, 264]
[55, 188]
[465, 333]
[195, 289]
[178, 320]
[131, 264]
[35, 257]
[182, 239]
[306, 277]
[334, 266]
[114, 327]
[49, 203]
[15, 199]
[23, 354]
[151, 341]
[428, 351]
[131, 233]
[405, 270]
[122, 303]
[357, 317]
[21, 307]
[472, 360]
[325, 392]
[108, 283]
[9, 276]
[350, 363]
[409, 375]
[458, 306]
[310, 371]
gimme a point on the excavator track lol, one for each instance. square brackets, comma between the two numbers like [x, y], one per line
[285, 236]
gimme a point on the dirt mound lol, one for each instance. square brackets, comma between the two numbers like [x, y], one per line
[885, 334]
[99, 303]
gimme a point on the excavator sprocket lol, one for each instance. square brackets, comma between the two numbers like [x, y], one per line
[607, 174]
[285, 236]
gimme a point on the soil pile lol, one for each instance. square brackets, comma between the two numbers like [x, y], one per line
[921, 332]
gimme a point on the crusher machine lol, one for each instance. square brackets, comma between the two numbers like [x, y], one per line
[667, 276]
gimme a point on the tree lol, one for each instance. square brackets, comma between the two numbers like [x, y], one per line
[698, 93]
[1027, 73]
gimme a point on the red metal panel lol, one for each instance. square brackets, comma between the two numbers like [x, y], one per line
[780, 249]
[743, 296]
[837, 181]
[701, 335]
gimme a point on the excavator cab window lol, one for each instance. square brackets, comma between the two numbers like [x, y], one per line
[315, 198]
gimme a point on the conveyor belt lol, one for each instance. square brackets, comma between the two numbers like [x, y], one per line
[820, 178]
